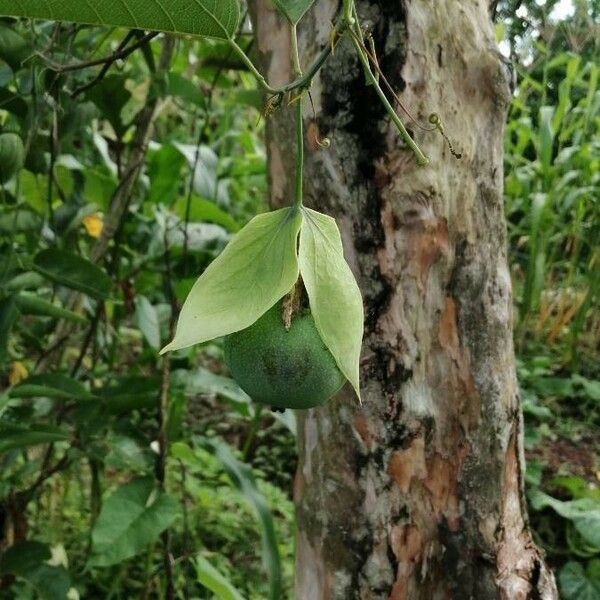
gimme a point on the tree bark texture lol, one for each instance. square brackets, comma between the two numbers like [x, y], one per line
[418, 493]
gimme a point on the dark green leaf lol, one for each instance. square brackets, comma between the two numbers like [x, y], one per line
[73, 271]
[8, 314]
[24, 557]
[30, 304]
[51, 385]
[31, 436]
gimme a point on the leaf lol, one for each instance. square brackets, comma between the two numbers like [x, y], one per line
[242, 477]
[73, 271]
[210, 18]
[131, 518]
[51, 583]
[129, 393]
[202, 381]
[110, 96]
[214, 581]
[147, 320]
[8, 315]
[205, 211]
[164, 169]
[51, 385]
[256, 269]
[28, 560]
[293, 10]
[335, 300]
[576, 584]
[31, 304]
[584, 513]
[23, 557]
[33, 435]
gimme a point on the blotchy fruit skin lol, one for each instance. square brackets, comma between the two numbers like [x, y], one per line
[283, 369]
[12, 156]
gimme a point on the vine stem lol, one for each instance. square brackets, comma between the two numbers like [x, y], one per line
[299, 123]
[421, 158]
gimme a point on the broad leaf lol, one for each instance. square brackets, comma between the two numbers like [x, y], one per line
[73, 271]
[210, 18]
[131, 518]
[584, 513]
[30, 304]
[335, 299]
[51, 385]
[576, 584]
[294, 10]
[23, 557]
[214, 581]
[28, 560]
[257, 268]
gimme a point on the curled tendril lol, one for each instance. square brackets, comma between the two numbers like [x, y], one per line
[324, 142]
[435, 120]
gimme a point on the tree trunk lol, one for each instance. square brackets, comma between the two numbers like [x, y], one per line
[418, 493]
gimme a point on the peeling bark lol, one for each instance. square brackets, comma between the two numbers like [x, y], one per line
[418, 494]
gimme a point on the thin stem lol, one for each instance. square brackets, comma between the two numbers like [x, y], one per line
[299, 123]
[255, 72]
[348, 17]
[421, 158]
[301, 82]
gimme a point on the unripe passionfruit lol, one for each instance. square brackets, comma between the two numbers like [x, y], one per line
[12, 156]
[283, 368]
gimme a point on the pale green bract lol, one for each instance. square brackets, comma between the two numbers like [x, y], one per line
[294, 10]
[335, 299]
[256, 269]
[208, 18]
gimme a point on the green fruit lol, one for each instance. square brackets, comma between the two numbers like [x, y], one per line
[12, 156]
[280, 368]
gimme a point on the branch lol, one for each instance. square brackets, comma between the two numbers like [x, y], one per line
[121, 52]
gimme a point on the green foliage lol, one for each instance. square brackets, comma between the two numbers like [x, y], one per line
[211, 18]
[552, 165]
[131, 518]
[80, 374]
[283, 368]
[294, 10]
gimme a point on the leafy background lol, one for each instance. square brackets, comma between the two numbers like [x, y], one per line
[89, 496]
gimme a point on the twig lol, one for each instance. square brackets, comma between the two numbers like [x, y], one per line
[121, 52]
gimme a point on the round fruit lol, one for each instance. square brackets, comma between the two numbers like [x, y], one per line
[12, 156]
[281, 368]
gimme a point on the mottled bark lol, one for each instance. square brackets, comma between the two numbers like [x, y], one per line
[418, 493]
